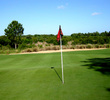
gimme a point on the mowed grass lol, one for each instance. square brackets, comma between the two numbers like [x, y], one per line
[30, 77]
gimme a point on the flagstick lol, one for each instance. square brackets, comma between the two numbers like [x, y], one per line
[61, 60]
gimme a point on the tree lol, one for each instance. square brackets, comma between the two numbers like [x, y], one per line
[14, 32]
[4, 40]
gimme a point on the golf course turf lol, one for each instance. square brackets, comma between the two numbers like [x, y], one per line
[38, 76]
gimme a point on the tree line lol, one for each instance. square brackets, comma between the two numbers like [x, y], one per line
[14, 37]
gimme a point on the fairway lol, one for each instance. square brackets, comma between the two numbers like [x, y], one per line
[30, 76]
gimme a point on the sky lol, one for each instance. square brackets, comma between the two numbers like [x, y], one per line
[45, 16]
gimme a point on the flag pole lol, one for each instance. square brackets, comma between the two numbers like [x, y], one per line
[61, 60]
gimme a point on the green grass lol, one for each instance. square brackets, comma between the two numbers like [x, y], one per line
[30, 77]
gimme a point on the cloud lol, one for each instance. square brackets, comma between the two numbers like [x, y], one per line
[95, 13]
[61, 7]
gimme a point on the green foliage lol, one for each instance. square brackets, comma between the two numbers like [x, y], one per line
[0, 46]
[89, 46]
[77, 38]
[29, 50]
[22, 46]
[4, 40]
[108, 46]
[14, 32]
[35, 49]
[92, 38]
[76, 41]
[31, 45]
[5, 48]
[40, 46]
[97, 46]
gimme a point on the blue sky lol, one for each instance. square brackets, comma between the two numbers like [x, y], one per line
[45, 16]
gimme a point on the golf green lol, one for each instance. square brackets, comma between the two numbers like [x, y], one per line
[38, 76]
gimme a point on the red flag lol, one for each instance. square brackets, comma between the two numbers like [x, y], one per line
[59, 34]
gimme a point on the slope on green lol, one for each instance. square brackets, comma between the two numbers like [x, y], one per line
[30, 77]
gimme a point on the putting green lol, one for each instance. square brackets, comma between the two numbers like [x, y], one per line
[30, 76]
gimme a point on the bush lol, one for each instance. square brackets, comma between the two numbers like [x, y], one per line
[0, 46]
[55, 48]
[101, 46]
[1, 51]
[89, 46]
[29, 50]
[7, 52]
[40, 46]
[48, 48]
[31, 45]
[77, 47]
[47, 45]
[97, 46]
[5, 48]
[80, 47]
[72, 47]
[108, 46]
[22, 46]
[64, 47]
[35, 50]
[8, 46]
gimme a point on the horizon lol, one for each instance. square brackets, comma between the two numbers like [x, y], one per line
[44, 17]
[57, 33]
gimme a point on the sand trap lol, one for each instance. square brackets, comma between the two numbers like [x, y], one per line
[54, 51]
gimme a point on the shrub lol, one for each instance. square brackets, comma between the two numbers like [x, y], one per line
[22, 46]
[101, 46]
[48, 48]
[5, 48]
[84, 46]
[64, 47]
[108, 46]
[47, 45]
[7, 52]
[40, 46]
[28, 50]
[96, 46]
[80, 47]
[1, 51]
[89, 46]
[31, 45]
[73, 47]
[18, 51]
[8, 46]
[0, 46]
[35, 50]
[77, 46]
[55, 48]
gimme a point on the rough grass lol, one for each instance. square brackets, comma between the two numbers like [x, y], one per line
[30, 77]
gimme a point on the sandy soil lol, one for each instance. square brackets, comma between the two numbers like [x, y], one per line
[54, 51]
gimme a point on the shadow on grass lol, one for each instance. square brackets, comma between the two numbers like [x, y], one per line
[56, 73]
[108, 89]
[99, 64]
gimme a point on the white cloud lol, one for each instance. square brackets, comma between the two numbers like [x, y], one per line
[95, 13]
[61, 7]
